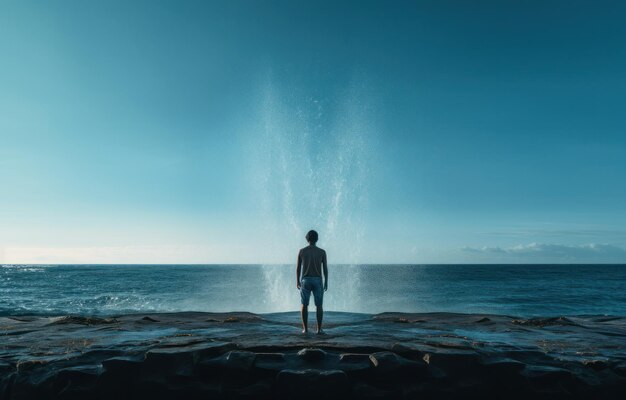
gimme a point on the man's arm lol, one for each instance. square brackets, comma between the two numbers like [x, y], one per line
[325, 264]
[298, 266]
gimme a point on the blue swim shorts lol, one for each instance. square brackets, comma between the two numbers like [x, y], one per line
[310, 284]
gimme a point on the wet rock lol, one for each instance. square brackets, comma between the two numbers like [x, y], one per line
[240, 360]
[353, 362]
[547, 376]
[270, 357]
[188, 390]
[211, 367]
[181, 340]
[312, 354]
[179, 357]
[118, 377]
[312, 384]
[212, 349]
[364, 391]
[6, 378]
[167, 361]
[82, 320]
[6, 381]
[99, 354]
[408, 350]
[74, 382]
[34, 384]
[432, 390]
[454, 362]
[528, 357]
[149, 319]
[181, 360]
[469, 384]
[388, 363]
[596, 365]
[257, 390]
[500, 374]
[75, 393]
[269, 362]
[543, 322]
[401, 318]
[190, 353]
[5, 367]
[231, 317]
[503, 365]
[78, 375]
[620, 369]
[127, 365]
[27, 365]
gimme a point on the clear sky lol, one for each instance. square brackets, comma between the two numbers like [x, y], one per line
[221, 131]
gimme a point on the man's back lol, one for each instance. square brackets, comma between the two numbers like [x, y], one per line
[312, 263]
[312, 258]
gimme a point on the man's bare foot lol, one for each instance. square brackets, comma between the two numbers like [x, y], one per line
[320, 332]
[304, 331]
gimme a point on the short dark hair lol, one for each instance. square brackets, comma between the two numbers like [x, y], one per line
[311, 237]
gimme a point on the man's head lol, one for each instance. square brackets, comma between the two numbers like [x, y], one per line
[311, 237]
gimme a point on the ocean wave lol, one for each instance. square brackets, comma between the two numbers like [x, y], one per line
[112, 289]
[24, 268]
[106, 304]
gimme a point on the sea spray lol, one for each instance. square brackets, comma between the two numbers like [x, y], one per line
[280, 292]
[310, 163]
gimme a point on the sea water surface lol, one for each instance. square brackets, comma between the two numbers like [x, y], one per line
[516, 290]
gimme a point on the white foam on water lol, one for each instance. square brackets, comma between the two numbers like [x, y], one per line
[24, 268]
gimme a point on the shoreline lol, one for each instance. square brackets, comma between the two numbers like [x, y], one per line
[245, 355]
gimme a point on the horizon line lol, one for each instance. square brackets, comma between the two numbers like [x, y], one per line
[342, 264]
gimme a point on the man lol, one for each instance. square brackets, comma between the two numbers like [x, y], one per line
[311, 260]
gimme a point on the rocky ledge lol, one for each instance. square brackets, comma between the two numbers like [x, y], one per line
[241, 355]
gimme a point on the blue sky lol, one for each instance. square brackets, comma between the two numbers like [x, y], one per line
[221, 131]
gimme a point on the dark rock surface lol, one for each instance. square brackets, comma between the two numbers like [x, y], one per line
[246, 356]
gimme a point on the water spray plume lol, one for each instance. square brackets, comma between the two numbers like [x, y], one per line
[312, 166]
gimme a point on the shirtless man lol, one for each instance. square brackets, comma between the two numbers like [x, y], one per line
[311, 263]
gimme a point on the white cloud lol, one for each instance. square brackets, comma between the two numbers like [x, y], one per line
[543, 252]
[529, 233]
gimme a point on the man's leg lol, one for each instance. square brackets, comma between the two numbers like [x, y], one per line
[318, 293]
[320, 315]
[305, 295]
[305, 318]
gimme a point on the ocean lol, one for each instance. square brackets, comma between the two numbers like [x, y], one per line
[515, 290]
